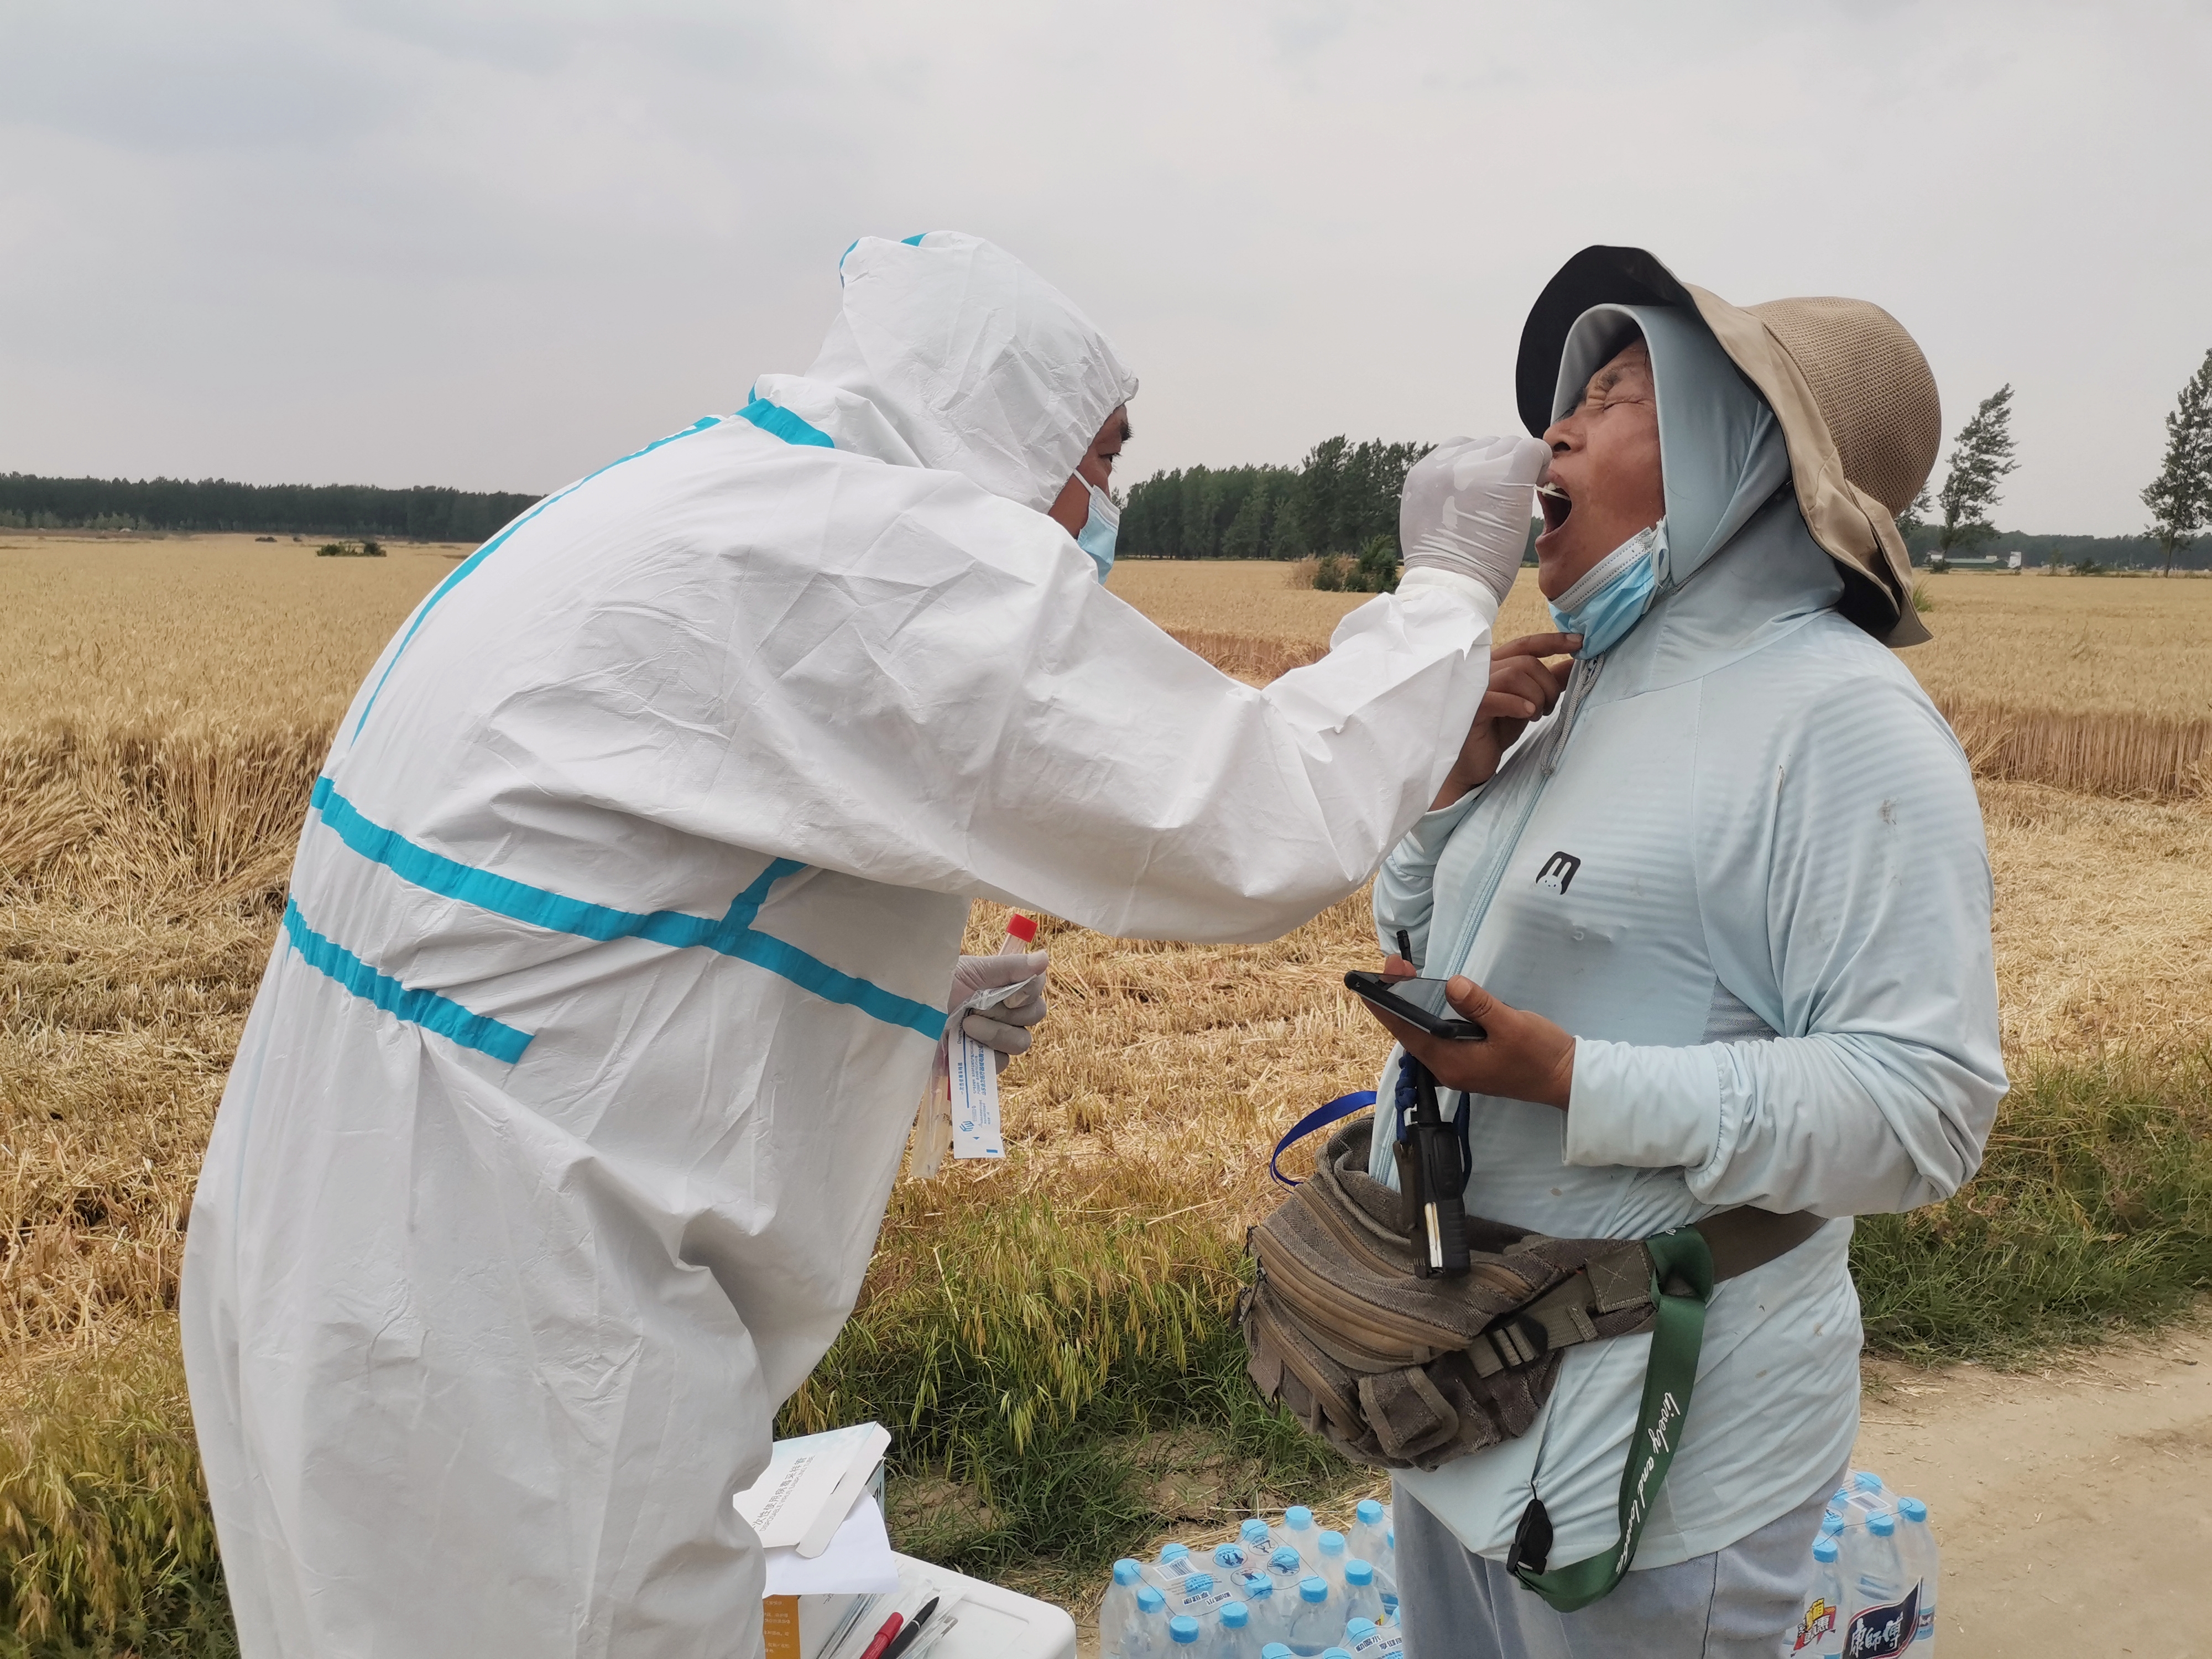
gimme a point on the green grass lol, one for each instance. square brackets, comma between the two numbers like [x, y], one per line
[2092, 1210]
[1061, 1383]
[106, 1543]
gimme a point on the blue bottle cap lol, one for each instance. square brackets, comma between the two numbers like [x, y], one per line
[1369, 1511]
[1881, 1524]
[1254, 1531]
[1312, 1589]
[1174, 1551]
[1840, 1497]
[1332, 1543]
[1825, 1551]
[1228, 1555]
[1831, 1522]
[1867, 1481]
[1182, 1630]
[1275, 1650]
[1358, 1629]
[1149, 1600]
[1357, 1571]
[1298, 1517]
[1236, 1614]
[1334, 1653]
[1258, 1587]
[1283, 1559]
[1128, 1572]
[1197, 1584]
[1913, 1508]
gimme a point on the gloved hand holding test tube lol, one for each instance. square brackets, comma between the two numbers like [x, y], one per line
[994, 1001]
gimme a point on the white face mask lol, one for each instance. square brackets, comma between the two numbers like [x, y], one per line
[1097, 536]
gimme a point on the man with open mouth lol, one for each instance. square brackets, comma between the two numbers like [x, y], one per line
[1719, 891]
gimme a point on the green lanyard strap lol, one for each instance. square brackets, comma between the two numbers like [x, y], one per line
[1680, 1260]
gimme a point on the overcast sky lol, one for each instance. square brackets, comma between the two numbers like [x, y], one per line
[440, 241]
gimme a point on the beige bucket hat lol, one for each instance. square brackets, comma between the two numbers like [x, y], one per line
[1854, 395]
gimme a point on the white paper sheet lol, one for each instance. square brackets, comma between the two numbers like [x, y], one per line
[802, 1475]
[858, 1560]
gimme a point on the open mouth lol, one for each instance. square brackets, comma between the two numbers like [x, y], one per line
[1556, 504]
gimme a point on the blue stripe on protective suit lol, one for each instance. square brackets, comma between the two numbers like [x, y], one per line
[732, 935]
[425, 1008]
[478, 556]
[780, 422]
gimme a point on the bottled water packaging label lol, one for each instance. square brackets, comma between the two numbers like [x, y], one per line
[1883, 1633]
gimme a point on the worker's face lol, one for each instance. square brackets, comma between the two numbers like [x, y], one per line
[1604, 456]
[1096, 466]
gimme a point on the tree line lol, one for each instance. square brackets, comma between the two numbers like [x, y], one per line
[1341, 498]
[427, 513]
[1944, 521]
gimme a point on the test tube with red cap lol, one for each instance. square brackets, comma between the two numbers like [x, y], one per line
[1021, 933]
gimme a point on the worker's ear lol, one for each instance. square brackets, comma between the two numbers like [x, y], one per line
[1071, 507]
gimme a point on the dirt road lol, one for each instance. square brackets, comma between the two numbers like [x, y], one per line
[2074, 1504]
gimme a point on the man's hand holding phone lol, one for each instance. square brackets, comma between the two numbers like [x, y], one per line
[1520, 1056]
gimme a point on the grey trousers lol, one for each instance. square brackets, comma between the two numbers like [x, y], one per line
[1743, 1603]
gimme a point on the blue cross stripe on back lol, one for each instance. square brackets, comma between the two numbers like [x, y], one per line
[730, 935]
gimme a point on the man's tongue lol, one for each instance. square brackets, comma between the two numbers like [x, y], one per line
[1555, 505]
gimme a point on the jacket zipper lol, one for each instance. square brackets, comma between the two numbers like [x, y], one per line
[1583, 678]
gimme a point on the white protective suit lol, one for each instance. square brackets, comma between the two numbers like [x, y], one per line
[617, 947]
[1742, 863]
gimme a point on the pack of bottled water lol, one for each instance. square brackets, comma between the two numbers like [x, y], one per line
[1875, 1578]
[1290, 1590]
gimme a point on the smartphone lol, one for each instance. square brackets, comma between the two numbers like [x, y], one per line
[1417, 1002]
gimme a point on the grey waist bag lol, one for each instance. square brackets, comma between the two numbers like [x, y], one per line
[1400, 1371]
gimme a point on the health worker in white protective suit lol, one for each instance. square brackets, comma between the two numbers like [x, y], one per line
[618, 945]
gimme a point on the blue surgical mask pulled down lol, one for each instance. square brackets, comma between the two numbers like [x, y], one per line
[1097, 536]
[1613, 593]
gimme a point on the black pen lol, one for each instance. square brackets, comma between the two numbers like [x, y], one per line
[904, 1639]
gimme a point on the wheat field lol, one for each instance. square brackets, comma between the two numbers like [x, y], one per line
[163, 706]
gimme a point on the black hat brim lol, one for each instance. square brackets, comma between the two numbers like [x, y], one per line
[1595, 277]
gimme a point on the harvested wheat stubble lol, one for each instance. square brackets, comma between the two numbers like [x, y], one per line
[2097, 750]
[163, 708]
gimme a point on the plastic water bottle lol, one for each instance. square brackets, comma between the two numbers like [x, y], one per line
[1117, 1607]
[1334, 1555]
[1297, 1531]
[1201, 1597]
[1314, 1624]
[1361, 1598]
[1881, 1608]
[1386, 1567]
[1275, 1650]
[1257, 1536]
[1174, 1563]
[1821, 1631]
[1233, 1632]
[1916, 1541]
[1370, 1527]
[1229, 1558]
[1183, 1633]
[1369, 1640]
[1258, 1593]
[1286, 1568]
[1145, 1635]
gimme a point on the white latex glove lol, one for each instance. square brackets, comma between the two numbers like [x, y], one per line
[995, 1000]
[1467, 506]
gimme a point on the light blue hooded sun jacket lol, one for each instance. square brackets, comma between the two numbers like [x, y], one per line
[1743, 863]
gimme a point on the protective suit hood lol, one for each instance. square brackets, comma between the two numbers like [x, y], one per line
[950, 352]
